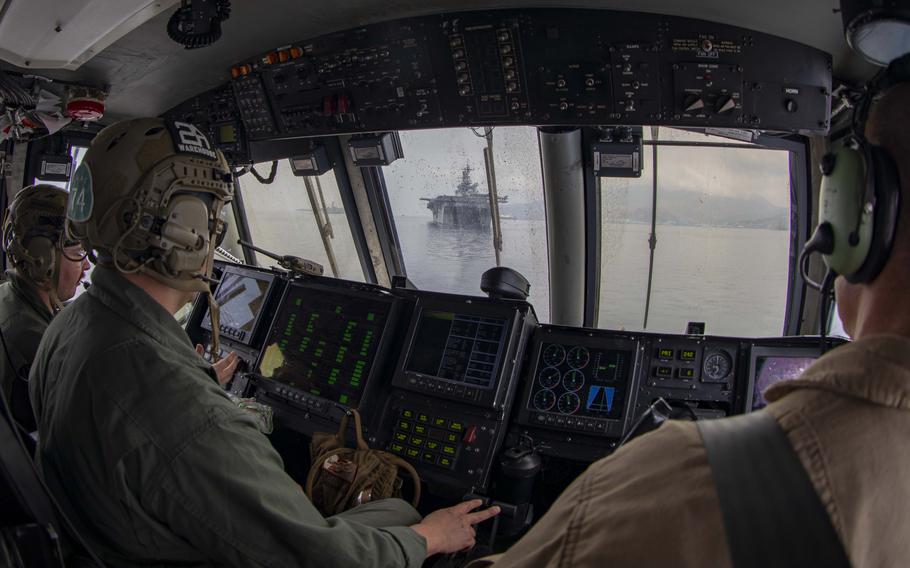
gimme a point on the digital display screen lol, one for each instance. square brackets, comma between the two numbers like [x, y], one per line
[325, 342]
[687, 354]
[581, 381]
[240, 298]
[227, 134]
[774, 369]
[458, 347]
[665, 353]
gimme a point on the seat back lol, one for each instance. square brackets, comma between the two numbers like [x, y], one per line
[28, 533]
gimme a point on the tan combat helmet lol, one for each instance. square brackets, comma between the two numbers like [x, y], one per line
[33, 235]
[149, 197]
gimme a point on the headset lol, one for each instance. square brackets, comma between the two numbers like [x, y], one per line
[859, 200]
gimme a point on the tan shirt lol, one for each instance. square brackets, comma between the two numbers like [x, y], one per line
[653, 502]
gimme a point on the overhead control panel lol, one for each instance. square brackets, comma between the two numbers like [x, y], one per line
[538, 67]
[217, 114]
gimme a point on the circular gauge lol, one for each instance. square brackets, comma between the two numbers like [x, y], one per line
[544, 399]
[573, 380]
[578, 357]
[554, 355]
[549, 377]
[717, 366]
[569, 403]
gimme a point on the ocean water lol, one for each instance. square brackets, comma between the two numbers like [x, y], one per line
[733, 279]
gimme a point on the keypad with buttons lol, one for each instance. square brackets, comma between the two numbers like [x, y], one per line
[433, 440]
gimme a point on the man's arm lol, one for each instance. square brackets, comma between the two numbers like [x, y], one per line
[652, 503]
[227, 494]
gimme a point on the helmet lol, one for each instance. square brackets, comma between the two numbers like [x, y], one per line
[33, 233]
[149, 197]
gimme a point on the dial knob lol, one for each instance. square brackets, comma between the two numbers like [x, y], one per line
[724, 105]
[693, 103]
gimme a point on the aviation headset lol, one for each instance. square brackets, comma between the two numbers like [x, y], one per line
[859, 200]
[33, 233]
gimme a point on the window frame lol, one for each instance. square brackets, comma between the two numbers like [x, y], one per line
[800, 219]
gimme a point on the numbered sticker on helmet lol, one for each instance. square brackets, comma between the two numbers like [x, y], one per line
[82, 197]
[188, 139]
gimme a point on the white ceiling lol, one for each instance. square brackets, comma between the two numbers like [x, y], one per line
[148, 73]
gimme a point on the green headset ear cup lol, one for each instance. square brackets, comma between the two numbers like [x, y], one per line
[884, 176]
[42, 259]
[840, 205]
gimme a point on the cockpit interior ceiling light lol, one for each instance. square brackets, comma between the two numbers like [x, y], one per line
[50, 34]
[878, 30]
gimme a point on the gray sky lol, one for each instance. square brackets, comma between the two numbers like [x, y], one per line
[434, 159]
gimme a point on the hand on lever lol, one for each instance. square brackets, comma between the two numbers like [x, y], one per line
[452, 529]
[225, 367]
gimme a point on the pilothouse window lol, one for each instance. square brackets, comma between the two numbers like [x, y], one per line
[303, 217]
[722, 239]
[440, 198]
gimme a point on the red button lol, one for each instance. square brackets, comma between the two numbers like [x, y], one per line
[470, 435]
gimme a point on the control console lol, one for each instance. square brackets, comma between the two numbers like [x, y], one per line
[584, 390]
[325, 351]
[247, 299]
[453, 386]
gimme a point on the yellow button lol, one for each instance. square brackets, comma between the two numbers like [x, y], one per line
[445, 462]
[439, 421]
[412, 453]
[401, 437]
[409, 414]
[457, 426]
[397, 448]
[432, 445]
[423, 418]
[451, 437]
[449, 450]
[402, 425]
[416, 441]
[418, 429]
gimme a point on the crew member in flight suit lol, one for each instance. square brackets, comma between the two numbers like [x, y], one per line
[654, 503]
[144, 451]
[46, 271]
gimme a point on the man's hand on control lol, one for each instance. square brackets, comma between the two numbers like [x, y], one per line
[452, 529]
[225, 367]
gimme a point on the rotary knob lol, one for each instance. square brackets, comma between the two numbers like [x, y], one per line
[693, 103]
[724, 105]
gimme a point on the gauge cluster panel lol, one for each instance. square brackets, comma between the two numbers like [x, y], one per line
[692, 373]
[579, 388]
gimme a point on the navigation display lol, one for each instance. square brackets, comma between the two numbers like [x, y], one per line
[458, 347]
[581, 381]
[325, 342]
[241, 296]
[774, 369]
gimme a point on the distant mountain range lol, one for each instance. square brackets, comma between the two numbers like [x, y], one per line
[678, 207]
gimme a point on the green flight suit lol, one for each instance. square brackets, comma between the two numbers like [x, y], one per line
[23, 319]
[156, 466]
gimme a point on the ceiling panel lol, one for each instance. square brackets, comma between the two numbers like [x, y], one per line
[148, 73]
